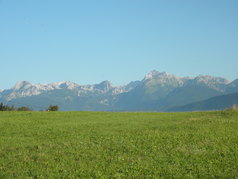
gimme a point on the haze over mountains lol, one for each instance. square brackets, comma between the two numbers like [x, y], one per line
[156, 92]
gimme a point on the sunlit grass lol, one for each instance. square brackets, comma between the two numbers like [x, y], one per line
[119, 145]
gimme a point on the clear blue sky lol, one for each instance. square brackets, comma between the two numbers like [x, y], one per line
[118, 40]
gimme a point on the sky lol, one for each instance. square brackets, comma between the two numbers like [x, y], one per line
[88, 41]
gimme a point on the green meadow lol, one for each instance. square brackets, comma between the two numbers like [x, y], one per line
[119, 145]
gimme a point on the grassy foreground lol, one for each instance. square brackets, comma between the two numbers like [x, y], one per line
[119, 145]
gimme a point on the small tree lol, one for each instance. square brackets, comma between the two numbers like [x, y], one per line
[23, 108]
[53, 108]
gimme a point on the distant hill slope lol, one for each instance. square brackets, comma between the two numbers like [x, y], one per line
[159, 91]
[214, 103]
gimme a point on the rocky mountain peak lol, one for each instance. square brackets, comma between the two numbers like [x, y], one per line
[158, 75]
[105, 85]
[216, 83]
[61, 85]
[164, 79]
[67, 85]
[151, 74]
[206, 79]
[22, 85]
[132, 85]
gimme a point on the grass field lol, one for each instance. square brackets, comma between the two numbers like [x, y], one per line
[119, 145]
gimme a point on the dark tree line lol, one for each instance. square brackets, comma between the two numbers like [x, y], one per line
[24, 108]
[13, 108]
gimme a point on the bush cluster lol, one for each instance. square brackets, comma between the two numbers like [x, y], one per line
[53, 108]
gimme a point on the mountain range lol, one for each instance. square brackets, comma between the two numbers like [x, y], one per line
[155, 92]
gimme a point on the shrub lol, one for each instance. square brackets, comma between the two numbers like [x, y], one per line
[53, 108]
[23, 108]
